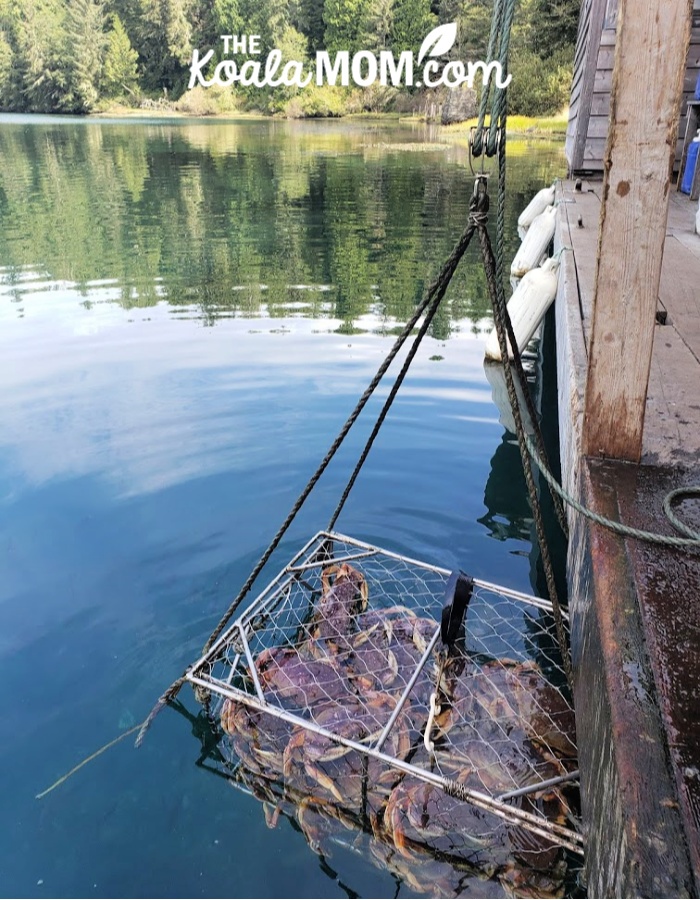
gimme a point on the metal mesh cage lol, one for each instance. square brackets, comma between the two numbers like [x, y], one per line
[341, 705]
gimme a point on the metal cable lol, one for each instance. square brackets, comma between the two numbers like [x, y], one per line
[499, 44]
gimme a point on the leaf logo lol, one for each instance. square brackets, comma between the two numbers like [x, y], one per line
[438, 41]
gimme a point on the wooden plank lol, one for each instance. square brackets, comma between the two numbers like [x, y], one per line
[690, 241]
[603, 80]
[598, 126]
[636, 845]
[666, 585]
[577, 82]
[610, 19]
[571, 349]
[645, 108]
[680, 279]
[606, 58]
[600, 105]
[681, 216]
[594, 153]
[672, 430]
[597, 11]
[585, 206]
[607, 39]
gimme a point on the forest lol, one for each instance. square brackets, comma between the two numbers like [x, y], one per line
[83, 56]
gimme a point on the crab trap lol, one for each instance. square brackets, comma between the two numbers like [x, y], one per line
[428, 711]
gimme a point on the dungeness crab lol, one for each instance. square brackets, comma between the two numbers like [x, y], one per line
[341, 601]
[501, 726]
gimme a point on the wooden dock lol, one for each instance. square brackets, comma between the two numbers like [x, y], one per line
[635, 606]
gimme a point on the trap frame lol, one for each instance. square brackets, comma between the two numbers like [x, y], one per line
[383, 704]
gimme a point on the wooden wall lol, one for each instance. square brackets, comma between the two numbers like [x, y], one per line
[592, 82]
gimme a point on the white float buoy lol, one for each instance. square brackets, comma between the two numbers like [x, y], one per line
[526, 308]
[536, 242]
[537, 205]
[499, 393]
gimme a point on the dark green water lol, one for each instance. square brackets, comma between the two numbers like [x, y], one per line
[188, 312]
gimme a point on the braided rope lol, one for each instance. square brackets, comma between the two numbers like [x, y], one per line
[431, 300]
[445, 277]
[503, 325]
[692, 542]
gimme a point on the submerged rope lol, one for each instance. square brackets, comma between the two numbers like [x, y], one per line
[88, 759]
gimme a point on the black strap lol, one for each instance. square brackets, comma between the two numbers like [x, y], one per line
[457, 596]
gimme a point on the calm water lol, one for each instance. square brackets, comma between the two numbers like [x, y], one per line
[188, 312]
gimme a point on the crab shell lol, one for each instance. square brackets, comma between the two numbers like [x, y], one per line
[257, 738]
[296, 683]
[321, 824]
[517, 697]
[425, 874]
[422, 819]
[341, 602]
[342, 775]
[422, 816]
[386, 651]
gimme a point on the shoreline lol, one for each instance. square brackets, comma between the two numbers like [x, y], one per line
[549, 127]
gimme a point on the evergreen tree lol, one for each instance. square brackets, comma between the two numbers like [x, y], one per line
[227, 15]
[310, 22]
[556, 26]
[6, 55]
[474, 26]
[86, 42]
[120, 74]
[268, 18]
[380, 22]
[55, 55]
[163, 38]
[411, 22]
[346, 22]
[38, 83]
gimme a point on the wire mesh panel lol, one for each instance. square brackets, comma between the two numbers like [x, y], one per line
[339, 699]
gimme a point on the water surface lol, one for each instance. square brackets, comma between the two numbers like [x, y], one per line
[188, 312]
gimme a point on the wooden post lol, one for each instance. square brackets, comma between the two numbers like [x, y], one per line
[650, 59]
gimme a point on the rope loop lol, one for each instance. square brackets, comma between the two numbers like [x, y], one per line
[677, 495]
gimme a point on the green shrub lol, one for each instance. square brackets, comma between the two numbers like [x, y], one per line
[209, 101]
[316, 101]
[539, 87]
[376, 98]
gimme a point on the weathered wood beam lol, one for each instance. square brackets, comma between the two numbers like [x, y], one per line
[650, 55]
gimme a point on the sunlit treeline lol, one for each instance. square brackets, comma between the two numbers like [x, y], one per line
[75, 55]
